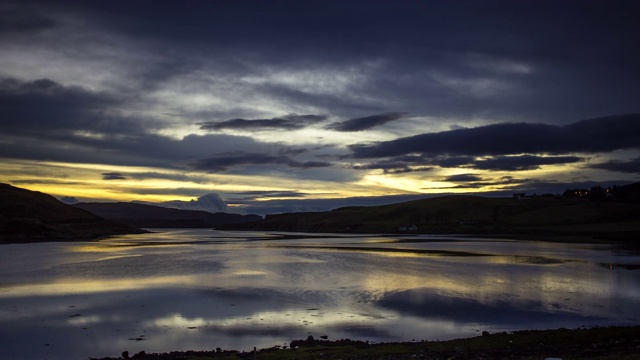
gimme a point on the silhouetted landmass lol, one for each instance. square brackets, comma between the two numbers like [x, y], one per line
[587, 343]
[626, 193]
[617, 219]
[27, 216]
[149, 216]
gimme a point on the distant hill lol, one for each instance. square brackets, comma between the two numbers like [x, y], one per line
[33, 216]
[465, 214]
[149, 216]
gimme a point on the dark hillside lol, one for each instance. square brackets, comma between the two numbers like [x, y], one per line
[33, 216]
[471, 215]
[149, 216]
[627, 193]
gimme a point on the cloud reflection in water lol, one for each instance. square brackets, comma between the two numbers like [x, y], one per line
[200, 289]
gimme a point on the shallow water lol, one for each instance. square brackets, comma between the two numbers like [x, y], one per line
[202, 289]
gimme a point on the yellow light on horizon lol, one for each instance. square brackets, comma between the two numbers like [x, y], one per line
[85, 181]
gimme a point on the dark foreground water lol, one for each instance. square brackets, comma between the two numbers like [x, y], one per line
[202, 289]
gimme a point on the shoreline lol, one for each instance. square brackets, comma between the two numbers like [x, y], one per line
[615, 342]
[567, 238]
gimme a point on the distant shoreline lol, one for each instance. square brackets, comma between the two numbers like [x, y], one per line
[554, 238]
[541, 218]
[9, 240]
[619, 342]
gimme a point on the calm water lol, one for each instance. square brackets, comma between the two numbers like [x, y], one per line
[202, 289]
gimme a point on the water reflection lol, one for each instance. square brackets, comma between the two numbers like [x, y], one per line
[201, 289]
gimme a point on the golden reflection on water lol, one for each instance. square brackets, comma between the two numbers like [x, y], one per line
[508, 282]
[70, 286]
[183, 288]
[544, 285]
[485, 278]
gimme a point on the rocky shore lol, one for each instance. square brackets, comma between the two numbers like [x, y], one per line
[584, 343]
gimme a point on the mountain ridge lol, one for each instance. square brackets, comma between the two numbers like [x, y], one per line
[152, 216]
[27, 216]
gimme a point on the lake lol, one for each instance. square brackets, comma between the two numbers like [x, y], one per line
[200, 289]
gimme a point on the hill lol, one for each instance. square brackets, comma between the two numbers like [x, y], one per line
[463, 214]
[33, 216]
[149, 216]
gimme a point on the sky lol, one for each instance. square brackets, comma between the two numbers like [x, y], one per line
[273, 106]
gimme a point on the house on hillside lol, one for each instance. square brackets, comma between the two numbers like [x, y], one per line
[576, 193]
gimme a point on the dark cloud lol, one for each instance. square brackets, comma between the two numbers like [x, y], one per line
[505, 184]
[523, 162]
[292, 151]
[367, 122]
[45, 107]
[630, 166]
[395, 166]
[45, 182]
[471, 181]
[408, 170]
[44, 120]
[198, 179]
[411, 163]
[463, 178]
[447, 161]
[287, 122]
[435, 24]
[434, 58]
[383, 165]
[18, 20]
[226, 161]
[590, 136]
[113, 176]
[257, 194]
[119, 149]
[175, 191]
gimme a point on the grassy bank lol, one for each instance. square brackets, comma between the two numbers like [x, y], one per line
[593, 343]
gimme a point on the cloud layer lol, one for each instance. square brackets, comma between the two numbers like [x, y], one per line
[506, 147]
[225, 161]
[288, 122]
[317, 98]
[367, 122]
[594, 135]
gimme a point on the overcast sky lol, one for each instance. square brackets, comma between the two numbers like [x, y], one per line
[324, 100]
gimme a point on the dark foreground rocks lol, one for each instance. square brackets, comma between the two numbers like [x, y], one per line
[592, 343]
